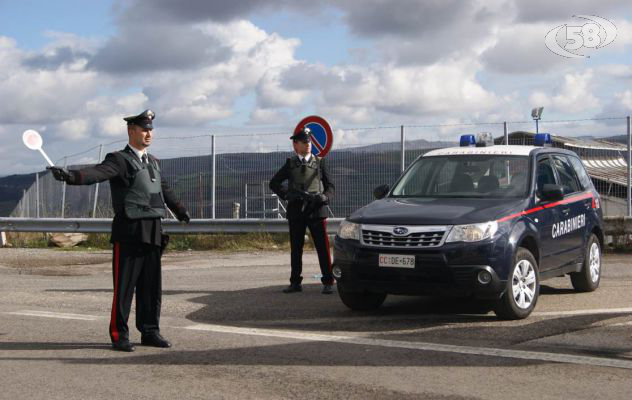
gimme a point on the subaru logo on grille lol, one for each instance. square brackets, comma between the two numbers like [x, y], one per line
[400, 230]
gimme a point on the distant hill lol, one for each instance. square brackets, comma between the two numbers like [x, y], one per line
[623, 139]
[356, 171]
[11, 188]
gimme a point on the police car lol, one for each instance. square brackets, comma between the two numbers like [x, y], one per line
[476, 220]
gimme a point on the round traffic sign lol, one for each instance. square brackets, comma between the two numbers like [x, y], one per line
[322, 136]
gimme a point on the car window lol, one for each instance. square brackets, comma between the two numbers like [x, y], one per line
[465, 176]
[544, 174]
[567, 176]
[584, 179]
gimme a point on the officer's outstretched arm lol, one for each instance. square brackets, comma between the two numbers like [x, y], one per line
[110, 168]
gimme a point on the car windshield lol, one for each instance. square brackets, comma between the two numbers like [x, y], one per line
[467, 176]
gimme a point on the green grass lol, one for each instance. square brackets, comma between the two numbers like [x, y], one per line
[216, 241]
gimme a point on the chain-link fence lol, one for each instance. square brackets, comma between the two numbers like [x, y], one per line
[227, 176]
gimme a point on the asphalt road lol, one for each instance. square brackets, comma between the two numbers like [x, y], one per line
[236, 335]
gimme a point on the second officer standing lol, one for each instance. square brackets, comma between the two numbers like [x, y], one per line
[308, 191]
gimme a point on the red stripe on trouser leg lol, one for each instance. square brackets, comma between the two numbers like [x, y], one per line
[113, 330]
[327, 243]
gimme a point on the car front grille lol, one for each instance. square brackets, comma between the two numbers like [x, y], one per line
[380, 236]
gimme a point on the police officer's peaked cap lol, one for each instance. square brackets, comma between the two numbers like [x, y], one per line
[143, 119]
[303, 135]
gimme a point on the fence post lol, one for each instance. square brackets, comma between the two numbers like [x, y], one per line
[629, 197]
[63, 192]
[37, 196]
[96, 187]
[263, 200]
[213, 177]
[403, 142]
[201, 194]
[246, 201]
[506, 133]
[28, 204]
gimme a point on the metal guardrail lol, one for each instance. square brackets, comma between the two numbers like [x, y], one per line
[616, 226]
[613, 225]
[103, 225]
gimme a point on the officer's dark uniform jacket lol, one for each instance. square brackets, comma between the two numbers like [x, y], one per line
[312, 177]
[138, 201]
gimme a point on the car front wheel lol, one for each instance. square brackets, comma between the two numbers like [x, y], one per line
[360, 300]
[523, 288]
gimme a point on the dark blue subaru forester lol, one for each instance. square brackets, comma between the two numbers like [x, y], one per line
[482, 220]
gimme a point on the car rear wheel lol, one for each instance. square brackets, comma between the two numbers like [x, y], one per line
[587, 280]
[360, 300]
[523, 288]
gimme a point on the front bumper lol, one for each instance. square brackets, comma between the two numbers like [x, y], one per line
[451, 269]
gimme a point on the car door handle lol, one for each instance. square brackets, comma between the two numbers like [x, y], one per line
[588, 204]
[566, 211]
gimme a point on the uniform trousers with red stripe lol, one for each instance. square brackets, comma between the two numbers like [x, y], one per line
[318, 229]
[136, 267]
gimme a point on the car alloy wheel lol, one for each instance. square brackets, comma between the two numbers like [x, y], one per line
[523, 284]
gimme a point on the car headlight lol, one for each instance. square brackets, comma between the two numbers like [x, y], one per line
[349, 230]
[472, 232]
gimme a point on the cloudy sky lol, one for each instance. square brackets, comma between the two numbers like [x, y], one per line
[72, 69]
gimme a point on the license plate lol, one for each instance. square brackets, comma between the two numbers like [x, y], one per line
[394, 260]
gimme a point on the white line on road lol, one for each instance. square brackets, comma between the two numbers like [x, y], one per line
[47, 314]
[583, 312]
[398, 317]
[357, 340]
[436, 347]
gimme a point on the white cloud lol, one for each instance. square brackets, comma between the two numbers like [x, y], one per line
[73, 129]
[346, 138]
[261, 116]
[625, 99]
[575, 95]
[112, 126]
[132, 102]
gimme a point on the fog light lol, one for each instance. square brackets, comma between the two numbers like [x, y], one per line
[337, 272]
[484, 277]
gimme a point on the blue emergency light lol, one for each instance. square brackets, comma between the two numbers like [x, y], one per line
[543, 139]
[467, 141]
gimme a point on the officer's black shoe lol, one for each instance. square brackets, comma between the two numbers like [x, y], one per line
[328, 289]
[154, 340]
[123, 345]
[293, 288]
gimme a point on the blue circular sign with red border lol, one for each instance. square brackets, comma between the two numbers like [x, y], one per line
[322, 136]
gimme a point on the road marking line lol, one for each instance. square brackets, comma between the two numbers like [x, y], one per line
[357, 340]
[583, 312]
[423, 346]
[48, 314]
[434, 316]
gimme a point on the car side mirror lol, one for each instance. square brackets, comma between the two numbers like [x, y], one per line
[381, 191]
[552, 192]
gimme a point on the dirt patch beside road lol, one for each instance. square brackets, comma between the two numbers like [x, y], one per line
[53, 261]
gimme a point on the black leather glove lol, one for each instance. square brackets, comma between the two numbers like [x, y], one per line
[61, 174]
[184, 216]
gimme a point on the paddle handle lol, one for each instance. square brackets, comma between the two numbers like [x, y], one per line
[46, 157]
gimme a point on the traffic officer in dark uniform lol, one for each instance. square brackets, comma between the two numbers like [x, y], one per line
[139, 195]
[308, 191]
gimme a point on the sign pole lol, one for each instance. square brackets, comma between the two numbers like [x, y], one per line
[629, 167]
[403, 148]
